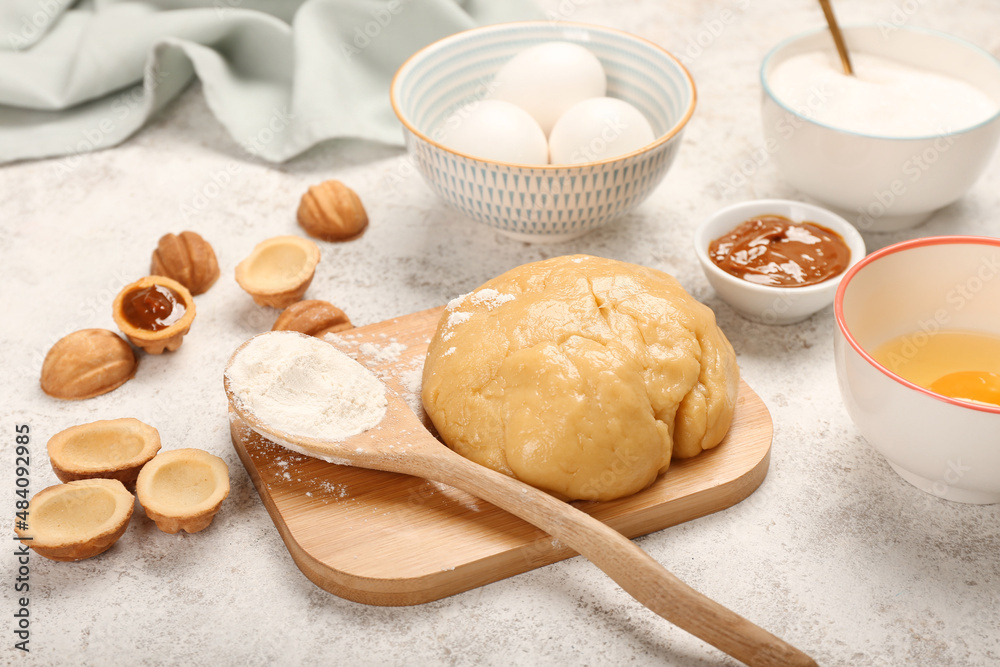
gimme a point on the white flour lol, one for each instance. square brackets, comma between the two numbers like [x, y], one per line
[376, 354]
[490, 297]
[303, 386]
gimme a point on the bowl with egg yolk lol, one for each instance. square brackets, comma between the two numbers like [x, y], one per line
[918, 361]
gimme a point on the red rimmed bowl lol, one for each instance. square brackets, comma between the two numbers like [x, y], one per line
[944, 446]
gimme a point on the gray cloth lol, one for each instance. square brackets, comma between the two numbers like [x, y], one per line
[280, 75]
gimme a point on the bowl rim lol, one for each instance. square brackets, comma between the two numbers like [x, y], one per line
[847, 28]
[838, 308]
[852, 238]
[664, 138]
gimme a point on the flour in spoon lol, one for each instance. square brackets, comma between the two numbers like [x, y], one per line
[305, 387]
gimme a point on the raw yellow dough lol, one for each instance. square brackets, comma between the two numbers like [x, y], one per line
[580, 376]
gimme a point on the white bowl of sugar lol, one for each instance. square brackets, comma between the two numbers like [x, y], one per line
[909, 134]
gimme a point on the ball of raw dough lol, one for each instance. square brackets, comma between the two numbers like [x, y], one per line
[580, 376]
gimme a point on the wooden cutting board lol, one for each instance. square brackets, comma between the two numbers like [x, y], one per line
[387, 539]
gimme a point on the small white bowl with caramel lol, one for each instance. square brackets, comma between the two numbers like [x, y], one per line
[776, 261]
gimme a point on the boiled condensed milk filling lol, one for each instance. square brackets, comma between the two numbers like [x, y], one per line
[153, 308]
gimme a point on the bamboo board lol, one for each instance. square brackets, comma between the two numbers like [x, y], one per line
[387, 539]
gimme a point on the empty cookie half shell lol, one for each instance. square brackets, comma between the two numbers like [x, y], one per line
[109, 448]
[182, 489]
[279, 270]
[77, 520]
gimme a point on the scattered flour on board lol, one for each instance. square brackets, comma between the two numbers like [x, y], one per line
[389, 363]
[382, 354]
[336, 490]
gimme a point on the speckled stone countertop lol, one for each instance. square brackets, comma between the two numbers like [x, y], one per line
[834, 553]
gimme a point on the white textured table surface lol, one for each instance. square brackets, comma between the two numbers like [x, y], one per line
[834, 553]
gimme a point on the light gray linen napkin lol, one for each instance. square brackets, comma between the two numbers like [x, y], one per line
[280, 75]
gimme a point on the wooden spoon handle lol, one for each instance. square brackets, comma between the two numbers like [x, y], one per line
[838, 36]
[631, 567]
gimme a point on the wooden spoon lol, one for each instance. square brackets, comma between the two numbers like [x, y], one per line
[401, 444]
[838, 37]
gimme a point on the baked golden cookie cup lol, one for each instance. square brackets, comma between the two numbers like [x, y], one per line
[278, 271]
[154, 341]
[77, 520]
[108, 449]
[183, 489]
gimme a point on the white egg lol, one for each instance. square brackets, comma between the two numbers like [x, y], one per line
[598, 129]
[497, 131]
[547, 79]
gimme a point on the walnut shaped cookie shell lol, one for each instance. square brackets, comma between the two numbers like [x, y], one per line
[187, 258]
[159, 341]
[77, 520]
[87, 363]
[108, 449]
[183, 489]
[313, 317]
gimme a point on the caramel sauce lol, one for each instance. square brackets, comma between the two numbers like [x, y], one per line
[773, 250]
[153, 308]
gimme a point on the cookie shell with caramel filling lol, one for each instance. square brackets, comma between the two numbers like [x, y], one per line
[155, 341]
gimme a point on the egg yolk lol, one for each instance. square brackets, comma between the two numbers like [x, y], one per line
[975, 386]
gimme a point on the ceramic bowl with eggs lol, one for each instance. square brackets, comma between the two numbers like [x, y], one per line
[918, 361]
[543, 130]
[772, 303]
[910, 133]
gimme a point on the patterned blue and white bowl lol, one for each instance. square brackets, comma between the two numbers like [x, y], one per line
[540, 203]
